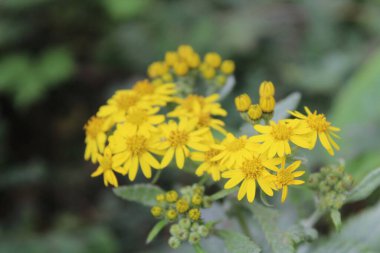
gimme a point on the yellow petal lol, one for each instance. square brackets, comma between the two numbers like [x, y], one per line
[284, 193]
[325, 143]
[251, 190]
[179, 157]
[145, 167]
[133, 169]
[168, 157]
[97, 172]
[242, 190]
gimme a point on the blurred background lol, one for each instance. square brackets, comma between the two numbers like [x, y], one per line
[61, 59]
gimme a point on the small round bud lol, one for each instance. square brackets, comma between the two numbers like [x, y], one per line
[339, 201]
[194, 214]
[156, 211]
[208, 73]
[228, 67]
[174, 230]
[160, 197]
[326, 170]
[195, 226]
[213, 59]
[171, 214]
[331, 180]
[339, 187]
[185, 223]
[196, 199]
[171, 196]
[266, 89]
[242, 102]
[182, 205]
[171, 58]
[347, 182]
[185, 50]
[174, 242]
[183, 234]
[181, 68]
[220, 80]
[254, 112]
[194, 238]
[198, 189]
[314, 180]
[207, 202]
[167, 77]
[324, 187]
[193, 60]
[203, 231]
[267, 104]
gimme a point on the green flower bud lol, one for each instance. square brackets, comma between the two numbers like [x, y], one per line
[314, 180]
[194, 238]
[198, 189]
[174, 242]
[339, 201]
[197, 199]
[347, 182]
[326, 171]
[185, 223]
[339, 187]
[171, 214]
[194, 227]
[324, 187]
[183, 234]
[207, 202]
[203, 231]
[331, 180]
[174, 230]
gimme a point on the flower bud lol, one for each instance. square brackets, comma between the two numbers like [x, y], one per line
[174, 242]
[208, 73]
[228, 67]
[160, 197]
[203, 231]
[242, 102]
[156, 211]
[171, 58]
[193, 60]
[213, 59]
[194, 227]
[185, 223]
[181, 68]
[254, 112]
[196, 199]
[220, 80]
[207, 202]
[182, 205]
[171, 214]
[194, 238]
[314, 180]
[194, 214]
[324, 187]
[339, 201]
[171, 196]
[174, 229]
[183, 234]
[185, 50]
[267, 104]
[266, 89]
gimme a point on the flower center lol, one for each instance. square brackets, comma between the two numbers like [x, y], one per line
[107, 162]
[94, 126]
[236, 145]
[178, 138]
[211, 154]
[144, 88]
[318, 122]
[126, 101]
[281, 132]
[204, 120]
[252, 169]
[188, 103]
[137, 117]
[136, 144]
[284, 177]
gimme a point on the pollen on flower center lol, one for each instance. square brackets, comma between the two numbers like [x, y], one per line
[236, 145]
[211, 154]
[178, 138]
[136, 144]
[252, 168]
[317, 122]
[284, 177]
[137, 117]
[281, 132]
[204, 120]
[126, 101]
[94, 126]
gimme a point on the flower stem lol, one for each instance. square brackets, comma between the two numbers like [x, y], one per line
[314, 217]
[203, 180]
[198, 248]
[156, 177]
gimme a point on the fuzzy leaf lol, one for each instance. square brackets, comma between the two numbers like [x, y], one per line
[336, 218]
[142, 193]
[155, 230]
[365, 187]
[237, 242]
[279, 241]
[289, 103]
[222, 193]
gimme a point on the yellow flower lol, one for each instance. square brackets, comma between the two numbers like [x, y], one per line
[96, 137]
[267, 104]
[182, 205]
[204, 119]
[171, 196]
[228, 67]
[254, 112]
[287, 176]
[171, 58]
[213, 59]
[157, 69]
[320, 128]
[194, 214]
[142, 120]
[276, 137]
[178, 138]
[234, 150]
[132, 149]
[154, 94]
[242, 102]
[181, 68]
[107, 168]
[156, 211]
[185, 50]
[208, 73]
[255, 168]
[266, 89]
[193, 60]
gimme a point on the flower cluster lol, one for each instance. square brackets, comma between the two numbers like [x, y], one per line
[184, 211]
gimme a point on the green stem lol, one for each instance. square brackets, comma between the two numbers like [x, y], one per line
[314, 217]
[203, 180]
[198, 248]
[156, 176]
[243, 224]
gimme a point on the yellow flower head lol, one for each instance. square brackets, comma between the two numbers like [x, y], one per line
[142, 120]
[242, 102]
[107, 168]
[267, 104]
[275, 138]
[234, 150]
[213, 59]
[156, 211]
[157, 69]
[133, 149]
[208, 72]
[178, 138]
[321, 128]
[228, 67]
[287, 176]
[181, 68]
[254, 112]
[154, 94]
[96, 137]
[193, 60]
[185, 50]
[255, 168]
[182, 205]
[171, 58]
[194, 214]
[266, 89]
[171, 196]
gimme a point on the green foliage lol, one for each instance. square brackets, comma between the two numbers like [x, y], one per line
[336, 218]
[237, 242]
[144, 194]
[155, 230]
[370, 183]
[222, 193]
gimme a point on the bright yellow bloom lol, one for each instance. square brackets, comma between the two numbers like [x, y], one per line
[255, 168]
[266, 89]
[233, 151]
[228, 67]
[142, 120]
[276, 137]
[181, 68]
[193, 60]
[157, 69]
[154, 94]
[267, 104]
[204, 119]
[242, 102]
[213, 59]
[182, 205]
[156, 211]
[208, 73]
[194, 214]
[178, 138]
[96, 137]
[171, 196]
[107, 168]
[320, 128]
[287, 176]
[132, 149]
[254, 112]
[171, 58]
[185, 50]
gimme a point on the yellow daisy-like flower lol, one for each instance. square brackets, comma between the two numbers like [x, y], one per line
[96, 137]
[155, 94]
[253, 169]
[107, 168]
[233, 151]
[143, 120]
[204, 119]
[133, 150]
[275, 138]
[320, 128]
[178, 138]
[287, 176]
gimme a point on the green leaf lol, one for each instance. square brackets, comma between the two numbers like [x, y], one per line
[336, 218]
[155, 230]
[279, 241]
[365, 187]
[222, 193]
[237, 242]
[142, 193]
[198, 248]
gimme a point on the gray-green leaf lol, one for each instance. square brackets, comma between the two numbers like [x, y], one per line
[155, 230]
[287, 104]
[237, 242]
[336, 218]
[365, 187]
[142, 193]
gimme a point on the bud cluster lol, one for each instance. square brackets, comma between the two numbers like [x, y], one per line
[183, 209]
[331, 184]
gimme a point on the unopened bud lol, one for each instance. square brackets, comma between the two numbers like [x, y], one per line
[255, 112]
[194, 238]
[174, 242]
[242, 102]
[267, 104]
[266, 89]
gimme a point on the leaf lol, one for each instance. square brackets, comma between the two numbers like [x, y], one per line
[142, 193]
[289, 103]
[365, 187]
[198, 248]
[237, 242]
[336, 218]
[155, 230]
[279, 241]
[222, 193]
